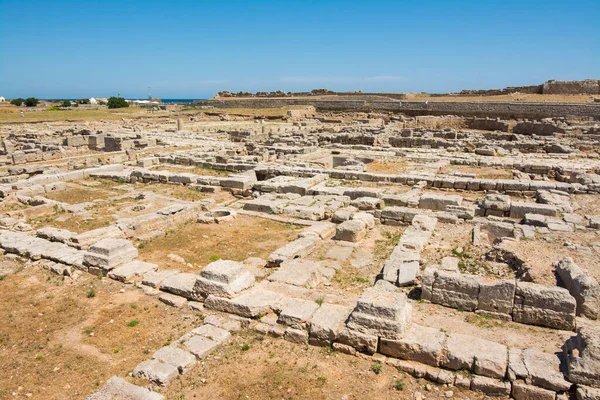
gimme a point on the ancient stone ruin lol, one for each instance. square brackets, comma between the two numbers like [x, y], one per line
[463, 250]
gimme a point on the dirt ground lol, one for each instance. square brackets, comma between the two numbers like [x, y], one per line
[276, 369]
[62, 339]
[480, 172]
[200, 244]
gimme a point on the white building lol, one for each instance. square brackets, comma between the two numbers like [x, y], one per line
[93, 101]
[2, 99]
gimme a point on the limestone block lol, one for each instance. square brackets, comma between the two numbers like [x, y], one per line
[438, 202]
[419, 343]
[357, 340]
[117, 387]
[200, 346]
[326, 323]
[541, 305]
[587, 393]
[156, 372]
[223, 278]
[108, 253]
[127, 272]
[471, 353]
[155, 278]
[522, 391]
[583, 354]
[297, 336]
[182, 284]
[490, 387]
[520, 209]
[544, 370]
[367, 203]
[496, 297]
[456, 290]
[181, 359]
[297, 312]
[249, 304]
[582, 286]
[351, 231]
[173, 300]
[381, 313]
[212, 332]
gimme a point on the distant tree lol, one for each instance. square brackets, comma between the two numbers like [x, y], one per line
[31, 102]
[83, 101]
[117, 102]
[66, 103]
[17, 102]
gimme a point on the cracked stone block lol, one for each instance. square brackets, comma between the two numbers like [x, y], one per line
[583, 354]
[183, 285]
[587, 393]
[223, 278]
[456, 290]
[299, 272]
[326, 323]
[544, 370]
[156, 372]
[200, 346]
[438, 202]
[357, 340]
[173, 300]
[381, 313]
[582, 286]
[351, 231]
[116, 388]
[181, 359]
[497, 297]
[541, 305]
[108, 253]
[297, 336]
[249, 304]
[212, 332]
[419, 343]
[127, 272]
[471, 353]
[490, 387]
[297, 312]
[522, 391]
[155, 278]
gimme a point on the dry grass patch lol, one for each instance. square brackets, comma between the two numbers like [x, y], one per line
[58, 343]
[77, 115]
[387, 167]
[200, 244]
[76, 194]
[480, 172]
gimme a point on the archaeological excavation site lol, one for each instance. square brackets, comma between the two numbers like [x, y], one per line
[315, 245]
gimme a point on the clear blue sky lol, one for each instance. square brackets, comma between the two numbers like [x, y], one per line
[192, 49]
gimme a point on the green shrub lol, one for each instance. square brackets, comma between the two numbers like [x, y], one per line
[117, 102]
[17, 102]
[53, 108]
[83, 101]
[376, 367]
[31, 102]
[66, 103]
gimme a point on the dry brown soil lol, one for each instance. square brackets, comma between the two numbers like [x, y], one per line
[199, 244]
[57, 342]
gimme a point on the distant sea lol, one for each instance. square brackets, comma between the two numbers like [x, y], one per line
[179, 100]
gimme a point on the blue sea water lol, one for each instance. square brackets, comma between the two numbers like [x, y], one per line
[179, 100]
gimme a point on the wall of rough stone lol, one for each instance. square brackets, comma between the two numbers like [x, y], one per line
[588, 86]
[415, 108]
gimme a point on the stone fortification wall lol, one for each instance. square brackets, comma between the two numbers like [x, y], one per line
[588, 86]
[415, 108]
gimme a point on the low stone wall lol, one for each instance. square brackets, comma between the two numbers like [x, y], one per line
[523, 302]
[415, 108]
